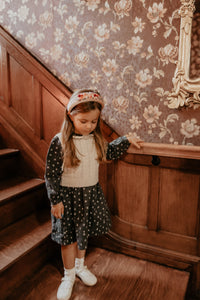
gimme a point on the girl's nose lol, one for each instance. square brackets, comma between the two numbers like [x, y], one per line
[89, 125]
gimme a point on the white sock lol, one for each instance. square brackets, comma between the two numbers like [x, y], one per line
[70, 272]
[79, 262]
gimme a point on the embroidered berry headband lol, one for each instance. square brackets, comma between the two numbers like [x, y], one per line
[82, 98]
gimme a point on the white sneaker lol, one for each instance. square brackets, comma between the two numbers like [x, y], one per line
[65, 289]
[86, 276]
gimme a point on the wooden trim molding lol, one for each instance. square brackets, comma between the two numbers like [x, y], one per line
[181, 151]
[175, 259]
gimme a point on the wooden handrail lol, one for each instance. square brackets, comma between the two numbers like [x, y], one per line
[181, 151]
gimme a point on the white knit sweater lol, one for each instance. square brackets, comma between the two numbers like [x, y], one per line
[87, 173]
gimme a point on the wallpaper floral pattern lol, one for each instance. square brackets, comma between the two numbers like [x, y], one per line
[125, 49]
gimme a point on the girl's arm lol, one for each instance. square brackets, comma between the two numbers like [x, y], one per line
[53, 176]
[119, 146]
[53, 170]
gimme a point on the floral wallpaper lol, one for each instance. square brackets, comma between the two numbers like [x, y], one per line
[125, 49]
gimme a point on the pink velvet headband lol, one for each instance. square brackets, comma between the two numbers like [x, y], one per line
[82, 98]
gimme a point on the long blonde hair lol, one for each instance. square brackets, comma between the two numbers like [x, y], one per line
[70, 158]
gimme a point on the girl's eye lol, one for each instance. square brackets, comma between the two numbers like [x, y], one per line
[83, 122]
[94, 122]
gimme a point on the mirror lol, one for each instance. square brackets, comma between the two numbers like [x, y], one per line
[195, 43]
[186, 90]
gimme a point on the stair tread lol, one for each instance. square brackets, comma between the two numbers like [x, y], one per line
[8, 151]
[12, 187]
[20, 237]
[47, 279]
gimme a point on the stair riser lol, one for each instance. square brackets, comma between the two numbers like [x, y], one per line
[18, 207]
[2, 144]
[25, 267]
[9, 166]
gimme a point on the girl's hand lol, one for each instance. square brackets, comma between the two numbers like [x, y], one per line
[57, 210]
[134, 141]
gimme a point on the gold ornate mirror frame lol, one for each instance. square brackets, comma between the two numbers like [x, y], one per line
[186, 91]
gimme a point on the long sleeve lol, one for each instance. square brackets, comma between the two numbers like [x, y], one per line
[117, 148]
[54, 170]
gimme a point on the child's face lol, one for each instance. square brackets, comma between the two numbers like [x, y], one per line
[85, 123]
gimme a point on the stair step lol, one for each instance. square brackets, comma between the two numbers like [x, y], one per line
[10, 162]
[17, 187]
[2, 144]
[20, 237]
[43, 285]
[24, 248]
[7, 152]
[19, 197]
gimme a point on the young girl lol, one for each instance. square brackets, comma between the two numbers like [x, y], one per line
[78, 206]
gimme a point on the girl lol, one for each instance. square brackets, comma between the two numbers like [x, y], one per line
[78, 206]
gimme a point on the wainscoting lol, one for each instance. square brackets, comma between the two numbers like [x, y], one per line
[153, 193]
[154, 201]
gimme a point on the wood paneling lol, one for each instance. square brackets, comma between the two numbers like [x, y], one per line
[22, 92]
[155, 208]
[153, 203]
[179, 197]
[3, 74]
[131, 201]
[52, 115]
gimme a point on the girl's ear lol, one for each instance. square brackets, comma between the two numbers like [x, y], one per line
[70, 117]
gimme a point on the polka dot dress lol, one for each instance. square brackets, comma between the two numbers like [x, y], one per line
[85, 214]
[85, 209]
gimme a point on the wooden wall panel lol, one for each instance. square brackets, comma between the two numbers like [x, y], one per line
[103, 178]
[153, 201]
[155, 208]
[22, 92]
[179, 197]
[52, 115]
[131, 187]
[1, 74]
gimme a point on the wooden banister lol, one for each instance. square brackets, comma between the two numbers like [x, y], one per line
[180, 151]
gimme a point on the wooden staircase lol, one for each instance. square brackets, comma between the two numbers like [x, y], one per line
[25, 243]
[25, 250]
